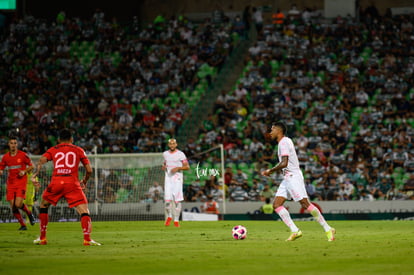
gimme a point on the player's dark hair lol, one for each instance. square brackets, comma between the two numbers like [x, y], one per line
[281, 125]
[65, 134]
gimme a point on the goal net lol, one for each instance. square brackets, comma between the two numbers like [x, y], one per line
[121, 187]
[117, 190]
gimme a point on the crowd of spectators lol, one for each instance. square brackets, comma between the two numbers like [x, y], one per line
[112, 82]
[124, 87]
[345, 89]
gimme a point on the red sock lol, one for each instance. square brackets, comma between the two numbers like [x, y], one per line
[19, 217]
[25, 209]
[86, 224]
[44, 220]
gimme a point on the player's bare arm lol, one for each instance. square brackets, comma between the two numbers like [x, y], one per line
[39, 166]
[282, 164]
[87, 175]
[26, 171]
[185, 166]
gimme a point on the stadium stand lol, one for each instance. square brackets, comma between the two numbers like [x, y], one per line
[344, 87]
[130, 87]
[346, 95]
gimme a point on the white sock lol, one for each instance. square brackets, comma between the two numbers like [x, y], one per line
[285, 216]
[177, 211]
[168, 208]
[318, 217]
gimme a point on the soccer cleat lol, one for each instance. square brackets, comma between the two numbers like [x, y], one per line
[168, 221]
[331, 234]
[38, 241]
[176, 224]
[32, 219]
[294, 236]
[90, 243]
[23, 228]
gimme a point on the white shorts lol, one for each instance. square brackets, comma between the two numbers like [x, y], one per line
[292, 187]
[173, 187]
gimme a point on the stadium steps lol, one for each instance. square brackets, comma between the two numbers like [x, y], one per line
[225, 80]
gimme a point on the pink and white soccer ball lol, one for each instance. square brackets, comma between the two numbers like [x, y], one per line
[239, 232]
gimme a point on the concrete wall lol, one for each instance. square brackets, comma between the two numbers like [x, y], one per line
[331, 207]
[234, 211]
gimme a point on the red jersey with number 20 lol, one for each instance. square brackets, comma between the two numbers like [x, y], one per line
[66, 158]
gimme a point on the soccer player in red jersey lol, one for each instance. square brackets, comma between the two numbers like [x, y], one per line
[65, 184]
[18, 165]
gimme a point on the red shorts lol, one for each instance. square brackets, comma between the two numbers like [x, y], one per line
[71, 191]
[16, 190]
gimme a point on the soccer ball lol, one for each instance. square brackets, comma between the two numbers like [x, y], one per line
[239, 232]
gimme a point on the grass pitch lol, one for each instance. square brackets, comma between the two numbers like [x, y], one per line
[148, 247]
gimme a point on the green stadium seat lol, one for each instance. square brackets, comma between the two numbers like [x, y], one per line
[184, 94]
[247, 141]
[122, 195]
[232, 165]
[245, 167]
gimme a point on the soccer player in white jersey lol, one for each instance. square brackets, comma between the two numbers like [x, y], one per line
[292, 185]
[175, 162]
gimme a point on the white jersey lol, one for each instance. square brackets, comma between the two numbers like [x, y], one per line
[286, 148]
[292, 186]
[174, 159]
[173, 186]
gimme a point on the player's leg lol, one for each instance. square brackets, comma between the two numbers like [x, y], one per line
[168, 198]
[285, 216]
[77, 199]
[43, 221]
[178, 198]
[19, 203]
[168, 212]
[314, 211]
[281, 196]
[86, 224]
[177, 213]
[29, 202]
[11, 197]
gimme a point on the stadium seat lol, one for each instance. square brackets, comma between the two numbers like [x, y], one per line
[247, 141]
[235, 38]
[159, 102]
[232, 165]
[174, 97]
[411, 121]
[184, 94]
[246, 168]
[116, 58]
[122, 195]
